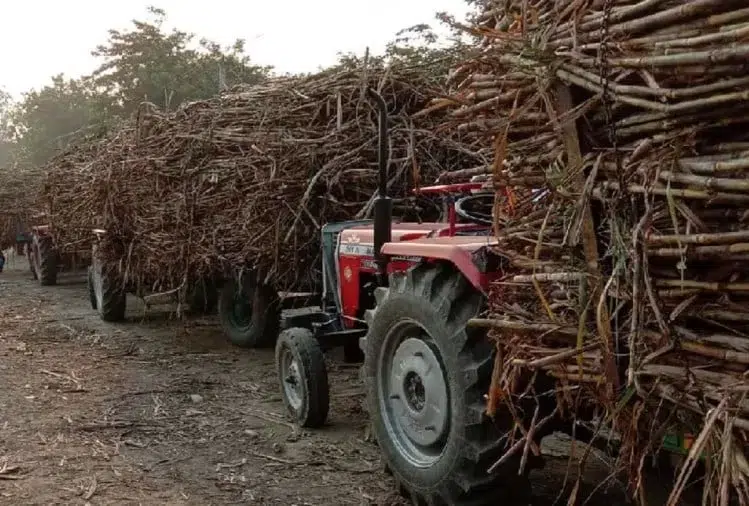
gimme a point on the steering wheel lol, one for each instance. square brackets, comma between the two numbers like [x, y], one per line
[465, 208]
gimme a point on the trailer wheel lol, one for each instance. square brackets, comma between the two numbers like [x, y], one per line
[45, 260]
[90, 287]
[110, 297]
[30, 258]
[425, 377]
[303, 377]
[249, 313]
[202, 297]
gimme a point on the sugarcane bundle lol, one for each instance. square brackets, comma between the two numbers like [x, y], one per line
[18, 192]
[248, 178]
[629, 269]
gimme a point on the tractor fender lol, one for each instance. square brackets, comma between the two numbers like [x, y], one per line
[461, 256]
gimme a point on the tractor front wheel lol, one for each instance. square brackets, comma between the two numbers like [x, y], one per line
[249, 312]
[303, 377]
[110, 298]
[426, 376]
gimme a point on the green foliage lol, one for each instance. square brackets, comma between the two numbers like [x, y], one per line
[50, 118]
[416, 45]
[6, 144]
[167, 68]
[144, 63]
[147, 64]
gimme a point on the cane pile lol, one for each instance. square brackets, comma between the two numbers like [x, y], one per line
[620, 133]
[248, 178]
[70, 196]
[18, 192]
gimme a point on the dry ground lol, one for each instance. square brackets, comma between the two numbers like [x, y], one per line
[157, 411]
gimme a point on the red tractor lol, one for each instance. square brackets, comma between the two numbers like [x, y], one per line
[405, 292]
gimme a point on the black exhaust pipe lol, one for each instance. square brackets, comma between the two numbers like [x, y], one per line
[383, 205]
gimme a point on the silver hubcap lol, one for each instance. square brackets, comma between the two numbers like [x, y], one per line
[293, 386]
[414, 397]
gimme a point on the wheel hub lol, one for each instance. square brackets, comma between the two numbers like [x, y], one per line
[418, 394]
[293, 386]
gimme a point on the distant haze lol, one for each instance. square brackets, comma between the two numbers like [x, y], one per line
[40, 38]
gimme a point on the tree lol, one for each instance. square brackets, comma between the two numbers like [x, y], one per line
[147, 64]
[140, 64]
[54, 116]
[6, 144]
[417, 45]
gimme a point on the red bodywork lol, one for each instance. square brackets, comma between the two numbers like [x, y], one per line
[411, 243]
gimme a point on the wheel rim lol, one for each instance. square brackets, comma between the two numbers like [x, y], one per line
[241, 311]
[413, 395]
[293, 386]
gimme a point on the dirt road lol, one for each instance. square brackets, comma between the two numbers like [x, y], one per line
[157, 411]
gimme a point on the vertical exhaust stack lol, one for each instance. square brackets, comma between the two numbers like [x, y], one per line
[383, 204]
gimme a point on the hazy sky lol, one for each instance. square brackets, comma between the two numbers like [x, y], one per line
[39, 38]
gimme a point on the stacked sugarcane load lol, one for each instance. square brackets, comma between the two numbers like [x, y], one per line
[70, 196]
[620, 140]
[247, 179]
[19, 187]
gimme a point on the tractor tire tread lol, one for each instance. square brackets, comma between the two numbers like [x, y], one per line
[266, 320]
[442, 301]
[112, 305]
[48, 261]
[307, 351]
[90, 286]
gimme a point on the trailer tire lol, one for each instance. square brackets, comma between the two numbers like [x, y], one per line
[45, 260]
[426, 375]
[30, 258]
[249, 313]
[109, 294]
[90, 286]
[202, 297]
[303, 377]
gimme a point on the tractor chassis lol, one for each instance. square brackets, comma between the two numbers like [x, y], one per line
[324, 326]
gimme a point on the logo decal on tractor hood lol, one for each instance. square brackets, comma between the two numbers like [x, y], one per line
[347, 273]
[357, 250]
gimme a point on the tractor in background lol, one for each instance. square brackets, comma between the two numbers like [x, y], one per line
[47, 259]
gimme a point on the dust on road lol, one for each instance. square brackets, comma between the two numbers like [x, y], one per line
[159, 411]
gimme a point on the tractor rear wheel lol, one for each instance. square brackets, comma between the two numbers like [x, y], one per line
[109, 294]
[303, 377]
[45, 260]
[249, 312]
[426, 376]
